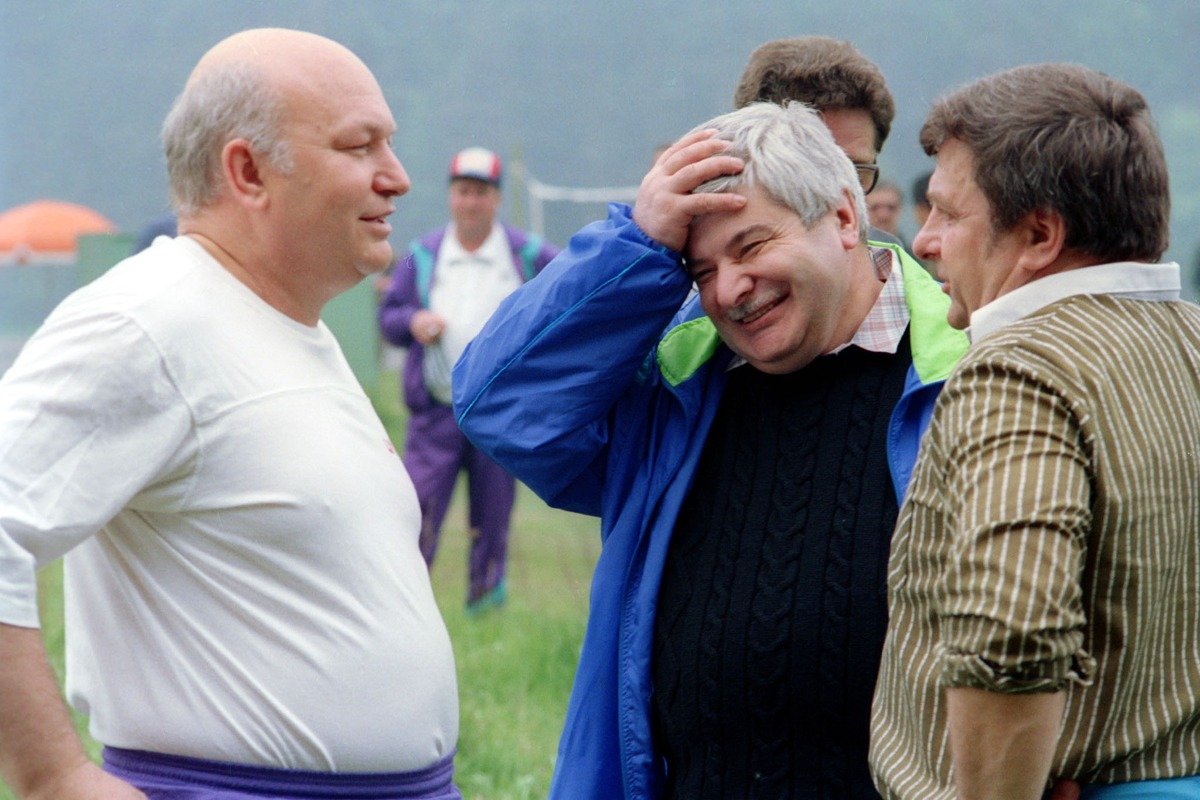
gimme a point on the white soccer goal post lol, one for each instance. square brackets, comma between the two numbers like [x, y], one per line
[542, 193]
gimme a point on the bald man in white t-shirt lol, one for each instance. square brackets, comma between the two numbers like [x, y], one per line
[247, 610]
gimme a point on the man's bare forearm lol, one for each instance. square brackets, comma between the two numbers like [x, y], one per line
[1002, 744]
[37, 739]
[41, 757]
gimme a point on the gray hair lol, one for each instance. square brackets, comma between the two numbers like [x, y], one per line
[791, 157]
[226, 101]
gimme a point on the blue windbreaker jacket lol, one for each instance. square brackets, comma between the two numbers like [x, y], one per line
[593, 386]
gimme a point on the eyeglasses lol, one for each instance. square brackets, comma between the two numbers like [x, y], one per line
[868, 176]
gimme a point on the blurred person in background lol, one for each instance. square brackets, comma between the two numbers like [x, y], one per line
[921, 209]
[920, 199]
[441, 294]
[884, 206]
[162, 225]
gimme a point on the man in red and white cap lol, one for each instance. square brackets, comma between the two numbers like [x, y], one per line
[446, 288]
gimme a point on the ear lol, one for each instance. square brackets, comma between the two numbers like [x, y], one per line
[242, 173]
[1043, 234]
[847, 220]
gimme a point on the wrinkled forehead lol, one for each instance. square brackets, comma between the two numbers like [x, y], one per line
[336, 105]
[761, 216]
[953, 175]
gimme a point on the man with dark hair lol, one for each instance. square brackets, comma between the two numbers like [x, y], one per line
[1043, 577]
[162, 225]
[845, 88]
[445, 288]
[884, 206]
[920, 198]
[247, 612]
[745, 452]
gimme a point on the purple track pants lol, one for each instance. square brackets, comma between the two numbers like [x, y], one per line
[435, 450]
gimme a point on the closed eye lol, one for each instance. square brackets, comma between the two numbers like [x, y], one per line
[367, 145]
[749, 248]
[700, 273]
[942, 214]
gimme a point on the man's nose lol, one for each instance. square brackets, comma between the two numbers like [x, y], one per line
[392, 179]
[924, 244]
[733, 286]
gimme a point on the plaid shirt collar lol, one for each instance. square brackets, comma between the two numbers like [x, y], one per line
[884, 326]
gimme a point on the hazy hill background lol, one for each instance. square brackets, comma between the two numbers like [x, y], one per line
[581, 92]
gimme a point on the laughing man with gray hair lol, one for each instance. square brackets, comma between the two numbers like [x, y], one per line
[745, 453]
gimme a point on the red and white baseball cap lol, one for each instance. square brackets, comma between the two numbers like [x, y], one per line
[478, 164]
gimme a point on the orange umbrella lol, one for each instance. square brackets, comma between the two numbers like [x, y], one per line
[47, 230]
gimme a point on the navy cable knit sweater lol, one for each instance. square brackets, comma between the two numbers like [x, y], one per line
[773, 605]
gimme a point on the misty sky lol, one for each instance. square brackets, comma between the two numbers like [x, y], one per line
[581, 92]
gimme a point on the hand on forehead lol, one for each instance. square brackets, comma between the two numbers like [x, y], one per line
[666, 204]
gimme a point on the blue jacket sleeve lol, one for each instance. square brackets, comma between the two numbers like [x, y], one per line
[537, 388]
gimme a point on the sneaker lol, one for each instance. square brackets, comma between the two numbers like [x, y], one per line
[495, 597]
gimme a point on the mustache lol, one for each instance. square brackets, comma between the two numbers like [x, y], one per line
[754, 304]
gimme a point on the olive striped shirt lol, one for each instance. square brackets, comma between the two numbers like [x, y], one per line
[1050, 540]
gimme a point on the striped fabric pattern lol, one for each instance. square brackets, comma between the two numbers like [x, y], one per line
[1050, 541]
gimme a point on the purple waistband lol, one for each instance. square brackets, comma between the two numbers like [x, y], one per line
[170, 777]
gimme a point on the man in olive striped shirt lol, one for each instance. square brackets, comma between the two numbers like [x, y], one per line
[1044, 581]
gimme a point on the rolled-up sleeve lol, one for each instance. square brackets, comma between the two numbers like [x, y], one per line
[1010, 608]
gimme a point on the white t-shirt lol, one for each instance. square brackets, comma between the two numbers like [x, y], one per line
[243, 582]
[467, 289]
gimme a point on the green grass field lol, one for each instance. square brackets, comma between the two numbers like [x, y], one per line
[514, 664]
